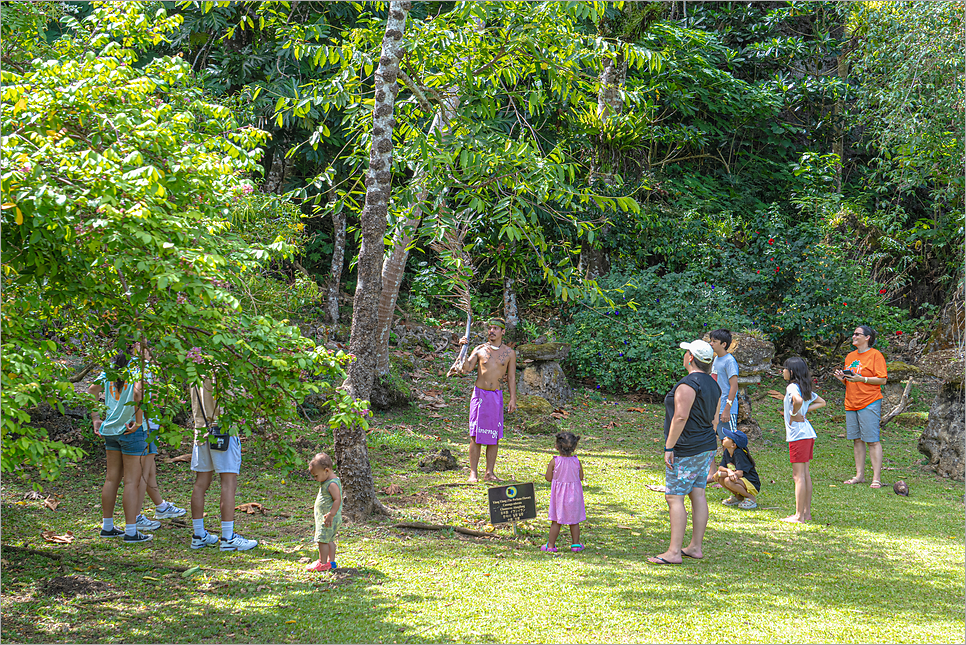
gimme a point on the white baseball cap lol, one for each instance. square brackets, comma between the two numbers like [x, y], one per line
[700, 350]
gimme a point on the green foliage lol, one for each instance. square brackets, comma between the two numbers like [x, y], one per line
[911, 61]
[23, 28]
[118, 185]
[794, 280]
[634, 345]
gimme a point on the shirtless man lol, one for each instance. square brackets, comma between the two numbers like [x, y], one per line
[493, 360]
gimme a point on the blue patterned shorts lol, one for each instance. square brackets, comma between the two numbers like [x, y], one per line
[687, 473]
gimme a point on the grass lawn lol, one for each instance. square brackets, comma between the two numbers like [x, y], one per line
[872, 567]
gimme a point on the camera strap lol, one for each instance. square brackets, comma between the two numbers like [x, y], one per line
[218, 440]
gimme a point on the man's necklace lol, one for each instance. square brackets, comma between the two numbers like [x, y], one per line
[495, 349]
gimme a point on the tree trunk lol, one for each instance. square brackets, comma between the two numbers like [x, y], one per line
[594, 261]
[338, 259]
[280, 167]
[395, 265]
[350, 443]
[510, 310]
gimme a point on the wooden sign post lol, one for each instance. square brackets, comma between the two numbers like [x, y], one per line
[512, 504]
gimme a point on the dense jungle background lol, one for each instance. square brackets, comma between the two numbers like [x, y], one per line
[264, 189]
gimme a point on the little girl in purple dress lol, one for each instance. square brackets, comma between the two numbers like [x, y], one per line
[565, 475]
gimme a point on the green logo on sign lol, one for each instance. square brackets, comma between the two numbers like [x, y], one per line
[511, 492]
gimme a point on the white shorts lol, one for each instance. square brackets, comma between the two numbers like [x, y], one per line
[205, 460]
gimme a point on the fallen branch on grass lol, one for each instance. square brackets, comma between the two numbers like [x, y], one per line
[900, 408]
[442, 527]
[91, 601]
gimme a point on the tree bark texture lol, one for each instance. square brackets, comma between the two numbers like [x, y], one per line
[350, 443]
[395, 265]
[338, 259]
[510, 310]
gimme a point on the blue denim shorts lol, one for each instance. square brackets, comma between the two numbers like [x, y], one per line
[687, 473]
[130, 444]
[864, 424]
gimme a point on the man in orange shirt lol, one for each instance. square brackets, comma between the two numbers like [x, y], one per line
[864, 375]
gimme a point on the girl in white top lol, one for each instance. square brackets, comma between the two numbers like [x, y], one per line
[798, 400]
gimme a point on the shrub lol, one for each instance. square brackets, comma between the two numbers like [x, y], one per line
[634, 344]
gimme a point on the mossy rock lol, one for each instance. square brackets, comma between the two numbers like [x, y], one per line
[533, 406]
[912, 419]
[391, 391]
[899, 371]
[402, 363]
[543, 352]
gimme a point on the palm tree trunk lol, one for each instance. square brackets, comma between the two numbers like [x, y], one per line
[350, 442]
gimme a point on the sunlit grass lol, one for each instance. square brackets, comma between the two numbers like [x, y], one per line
[873, 567]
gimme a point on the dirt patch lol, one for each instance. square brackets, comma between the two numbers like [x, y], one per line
[343, 576]
[71, 586]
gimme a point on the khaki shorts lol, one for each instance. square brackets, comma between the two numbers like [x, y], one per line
[205, 460]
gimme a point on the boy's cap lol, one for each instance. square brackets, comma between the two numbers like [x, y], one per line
[739, 437]
[700, 350]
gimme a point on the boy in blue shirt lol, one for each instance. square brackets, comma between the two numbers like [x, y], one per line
[724, 370]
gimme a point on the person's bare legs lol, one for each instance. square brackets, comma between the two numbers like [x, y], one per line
[875, 456]
[330, 552]
[202, 483]
[699, 523]
[229, 483]
[554, 532]
[858, 447]
[738, 489]
[491, 451]
[474, 461]
[808, 494]
[679, 521]
[802, 491]
[112, 482]
[575, 533]
[131, 499]
[712, 471]
[149, 481]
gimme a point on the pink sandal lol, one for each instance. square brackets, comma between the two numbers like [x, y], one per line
[318, 566]
[548, 548]
[576, 548]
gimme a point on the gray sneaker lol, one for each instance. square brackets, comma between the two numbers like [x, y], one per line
[201, 542]
[237, 543]
[137, 537]
[144, 524]
[170, 512]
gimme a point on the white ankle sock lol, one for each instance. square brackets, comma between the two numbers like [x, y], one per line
[131, 529]
[107, 523]
[227, 530]
[199, 527]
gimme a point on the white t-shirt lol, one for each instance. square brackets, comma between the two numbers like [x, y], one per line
[797, 430]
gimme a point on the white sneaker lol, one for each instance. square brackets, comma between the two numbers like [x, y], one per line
[201, 542]
[170, 512]
[237, 543]
[144, 524]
